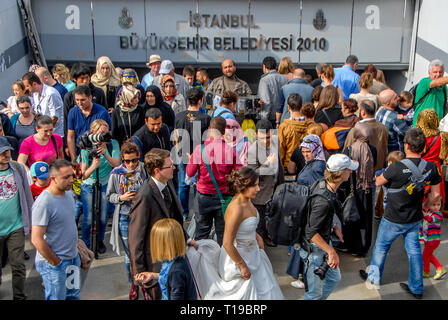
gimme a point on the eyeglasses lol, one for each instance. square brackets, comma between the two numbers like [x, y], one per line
[131, 160]
[172, 166]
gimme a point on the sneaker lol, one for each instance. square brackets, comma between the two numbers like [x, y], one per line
[440, 273]
[298, 284]
[101, 247]
[426, 275]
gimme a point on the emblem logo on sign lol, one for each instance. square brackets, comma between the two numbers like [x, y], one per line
[125, 20]
[319, 22]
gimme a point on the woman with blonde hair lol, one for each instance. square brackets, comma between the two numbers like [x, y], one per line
[105, 158]
[62, 74]
[168, 247]
[365, 86]
[128, 116]
[286, 68]
[107, 79]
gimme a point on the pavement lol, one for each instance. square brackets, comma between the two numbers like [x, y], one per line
[107, 280]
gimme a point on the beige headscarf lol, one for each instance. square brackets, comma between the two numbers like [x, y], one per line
[361, 153]
[428, 121]
[101, 81]
[124, 100]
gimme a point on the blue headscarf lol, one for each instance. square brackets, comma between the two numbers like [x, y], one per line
[313, 143]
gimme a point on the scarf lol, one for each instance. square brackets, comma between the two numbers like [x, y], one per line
[163, 277]
[129, 178]
[124, 100]
[102, 81]
[314, 143]
[428, 121]
[165, 79]
[362, 133]
[129, 76]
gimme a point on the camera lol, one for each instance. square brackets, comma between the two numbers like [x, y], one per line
[90, 142]
[321, 271]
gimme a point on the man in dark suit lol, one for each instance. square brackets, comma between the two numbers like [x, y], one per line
[156, 199]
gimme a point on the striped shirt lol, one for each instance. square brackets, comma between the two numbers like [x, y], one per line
[431, 227]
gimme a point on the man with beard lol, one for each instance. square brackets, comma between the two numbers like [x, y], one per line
[229, 81]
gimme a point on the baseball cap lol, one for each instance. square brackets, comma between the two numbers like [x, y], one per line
[40, 170]
[4, 145]
[339, 162]
[166, 67]
[153, 58]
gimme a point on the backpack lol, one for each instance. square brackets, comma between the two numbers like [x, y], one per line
[413, 90]
[288, 211]
[416, 180]
[334, 138]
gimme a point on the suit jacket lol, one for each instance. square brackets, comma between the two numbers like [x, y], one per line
[379, 141]
[148, 207]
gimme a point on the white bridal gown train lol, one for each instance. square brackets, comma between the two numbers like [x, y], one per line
[218, 277]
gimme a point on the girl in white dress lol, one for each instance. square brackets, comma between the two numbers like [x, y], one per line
[240, 269]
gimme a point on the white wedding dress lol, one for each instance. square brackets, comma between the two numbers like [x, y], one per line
[218, 277]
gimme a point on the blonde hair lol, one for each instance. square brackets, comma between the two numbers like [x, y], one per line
[96, 124]
[314, 128]
[333, 177]
[167, 240]
[366, 80]
[286, 66]
[380, 77]
[395, 156]
[62, 71]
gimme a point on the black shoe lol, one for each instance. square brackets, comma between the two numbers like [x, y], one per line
[359, 254]
[363, 275]
[341, 248]
[405, 287]
[26, 256]
[101, 247]
[269, 242]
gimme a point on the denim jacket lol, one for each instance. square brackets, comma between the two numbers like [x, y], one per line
[269, 89]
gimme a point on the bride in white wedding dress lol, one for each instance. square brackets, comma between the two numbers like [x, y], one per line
[240, 269]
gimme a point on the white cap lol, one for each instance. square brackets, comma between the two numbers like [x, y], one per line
[166, 67]
[339, 162]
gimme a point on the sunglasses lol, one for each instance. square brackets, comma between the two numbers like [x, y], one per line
[135, 160]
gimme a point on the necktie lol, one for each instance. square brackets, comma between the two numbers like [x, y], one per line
[167, 197]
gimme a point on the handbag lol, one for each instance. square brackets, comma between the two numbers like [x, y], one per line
[224, 201]
[350, 212]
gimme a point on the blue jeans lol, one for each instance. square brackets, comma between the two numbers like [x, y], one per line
[123, 226]
[62, 282]
[86, 198]
[184, 190]
[318, 289]
[78, 203]
[387, 233]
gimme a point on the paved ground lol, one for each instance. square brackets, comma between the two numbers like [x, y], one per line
[106, 280]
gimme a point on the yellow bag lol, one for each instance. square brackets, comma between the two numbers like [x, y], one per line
[249, 129]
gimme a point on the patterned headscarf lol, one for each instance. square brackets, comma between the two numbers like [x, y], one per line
[100, 80]
[313, 143]
[163, 81]
[128, 177]
[129, 76]
[124, 100]
[428, 121]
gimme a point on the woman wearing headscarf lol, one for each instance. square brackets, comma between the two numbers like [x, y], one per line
[313, 153]
[170, 95]
[358, 234]
[236, 138]
[128, 116]
[107, 79]
[436, 141]
[130, 77]
[154, 99]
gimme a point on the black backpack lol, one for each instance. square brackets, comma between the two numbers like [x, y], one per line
[287, 212]
[413, 90]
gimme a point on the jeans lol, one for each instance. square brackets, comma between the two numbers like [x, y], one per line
[123, 227]
[209, 209]
[62, 282]
[78, 203]
[184, 190]
[318, 289]
[86, 198]
[15, 243]
[387, 233]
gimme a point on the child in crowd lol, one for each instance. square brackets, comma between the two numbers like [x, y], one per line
[404, 109]
[40, 172]
[391, 158]
[430, 234]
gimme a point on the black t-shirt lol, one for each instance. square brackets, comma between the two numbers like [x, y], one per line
[298, 159]
[185, 119]
[333, 113]
[401, 206]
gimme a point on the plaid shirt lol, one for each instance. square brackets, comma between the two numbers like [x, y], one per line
[396, 127]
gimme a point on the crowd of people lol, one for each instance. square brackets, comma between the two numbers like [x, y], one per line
[68, 136]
